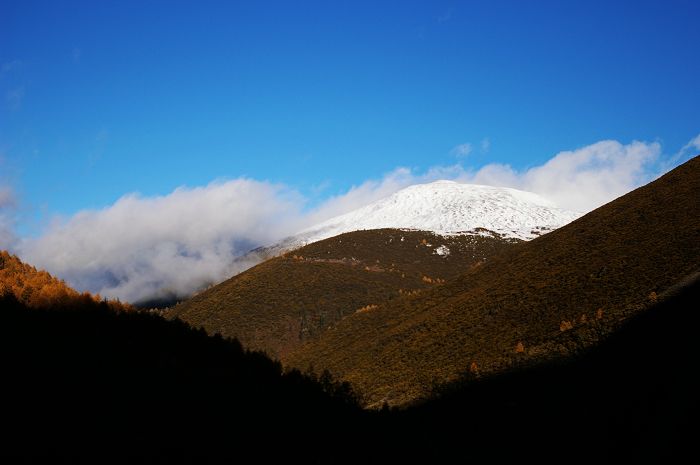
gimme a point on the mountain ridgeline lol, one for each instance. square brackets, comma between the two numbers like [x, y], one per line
[283, 302]
[448, 207]
[395, 315]
[37, 288]
[395, 247]
[578, 346]
[548, 298]
[85, 384]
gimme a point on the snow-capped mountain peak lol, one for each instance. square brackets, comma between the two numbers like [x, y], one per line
[449, 207]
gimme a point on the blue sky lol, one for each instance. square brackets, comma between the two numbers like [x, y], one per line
[105, 98]
[102, 99]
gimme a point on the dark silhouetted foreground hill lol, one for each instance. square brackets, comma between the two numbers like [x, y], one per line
[632, 399]
[281, 303]
[88, 385]
[543, 299]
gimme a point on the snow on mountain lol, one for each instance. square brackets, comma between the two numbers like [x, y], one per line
[448, 207]
[443, 207]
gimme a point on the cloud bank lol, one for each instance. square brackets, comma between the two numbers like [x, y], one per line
[583, 179]
[156, 247]
[148, 247]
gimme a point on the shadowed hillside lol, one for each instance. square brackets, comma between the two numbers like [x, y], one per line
[632, 399]
[85, 384]
[88, 385]
[538, 300]
[285, 301]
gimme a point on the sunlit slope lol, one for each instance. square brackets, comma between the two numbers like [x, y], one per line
[36, 288]
[551, 296]
[280, 304]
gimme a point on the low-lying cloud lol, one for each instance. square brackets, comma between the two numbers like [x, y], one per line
[7, 208]
[582, 179]
[155, 247]
[579, 180]
[148, 247]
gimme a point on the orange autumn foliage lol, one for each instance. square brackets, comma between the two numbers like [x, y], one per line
[37, 288]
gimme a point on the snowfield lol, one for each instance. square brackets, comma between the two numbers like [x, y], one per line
[448, 207]
[442, 207]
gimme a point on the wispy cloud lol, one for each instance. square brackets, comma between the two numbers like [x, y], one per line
[14, 97]
[10, 66]
[358, 196]
[141, 247]
[485, 145]
[8, 205]
[691, 148]
[694, 143]
[446, 16]
[462, 150]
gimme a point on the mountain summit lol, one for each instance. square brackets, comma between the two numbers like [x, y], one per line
[445, 208]
[398, 246]
[541, 300]
[448, 207]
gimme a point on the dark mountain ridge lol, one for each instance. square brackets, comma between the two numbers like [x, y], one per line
[89, 385]
[550, 297]
[280, 304]
[84, 383]
[631, 399]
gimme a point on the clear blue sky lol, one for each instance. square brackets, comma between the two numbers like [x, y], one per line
[103, 98]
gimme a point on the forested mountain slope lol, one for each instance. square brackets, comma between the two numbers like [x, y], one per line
[550, 297]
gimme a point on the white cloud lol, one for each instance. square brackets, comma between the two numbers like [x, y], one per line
[581, 179]
[687, 152]
[7, 198]
[693, 144]
[371, 190]
[462, 150]
[359, 196]
[485, 144]
[142, 246]
[7, 210]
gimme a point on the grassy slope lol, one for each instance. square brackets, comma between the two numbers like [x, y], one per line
[285, 301]
[605, 265]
